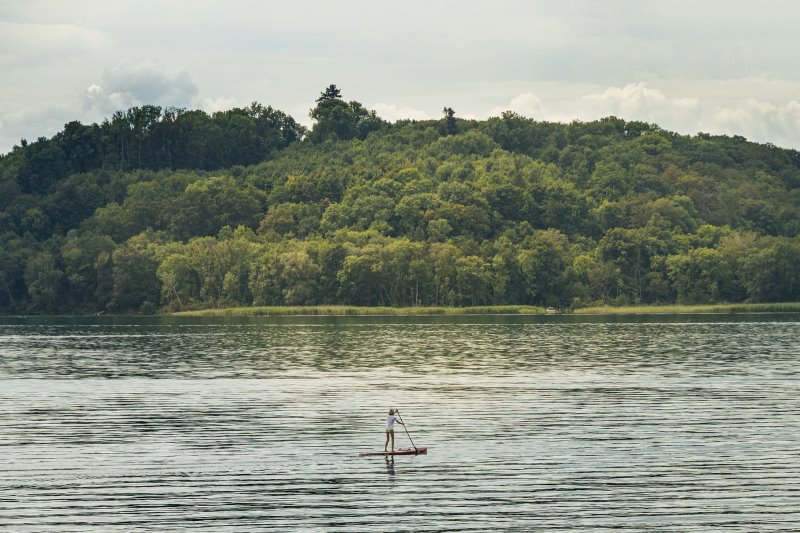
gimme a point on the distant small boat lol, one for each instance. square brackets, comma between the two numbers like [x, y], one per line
[551, 310]
[401, 451]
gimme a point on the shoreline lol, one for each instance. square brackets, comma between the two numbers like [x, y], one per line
[698, 309]
[348, 310]
[345, 310]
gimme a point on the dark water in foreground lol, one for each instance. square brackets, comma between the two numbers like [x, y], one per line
[533, 423]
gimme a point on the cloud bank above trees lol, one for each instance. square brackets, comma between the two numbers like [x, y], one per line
[128, 85]
[714, 67]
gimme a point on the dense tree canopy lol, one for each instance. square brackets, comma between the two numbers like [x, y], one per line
[164, 209]
[337, 120]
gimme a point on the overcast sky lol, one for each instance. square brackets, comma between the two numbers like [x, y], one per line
[713, 66]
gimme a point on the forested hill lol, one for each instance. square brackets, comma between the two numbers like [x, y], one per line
[171, 209]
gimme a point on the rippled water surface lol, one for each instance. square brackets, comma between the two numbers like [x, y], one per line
[532, 423]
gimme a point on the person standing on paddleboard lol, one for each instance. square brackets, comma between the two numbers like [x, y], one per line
[390, 420]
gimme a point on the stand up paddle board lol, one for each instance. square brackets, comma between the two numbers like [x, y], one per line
[401, 451]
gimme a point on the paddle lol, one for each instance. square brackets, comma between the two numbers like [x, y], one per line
[416, 451]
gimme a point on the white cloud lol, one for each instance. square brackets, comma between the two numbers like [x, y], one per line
[634, 101]
[129, 84]
[527, 104]
[637, 101]
[393, 113]
[744, 115]
[212, 105]
[775, 120]
[761, 120]
[715, 107]
[629, 99]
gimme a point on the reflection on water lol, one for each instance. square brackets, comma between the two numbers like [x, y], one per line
[390, 467]
[533, 423]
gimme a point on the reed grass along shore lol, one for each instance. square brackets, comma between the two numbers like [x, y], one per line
[345, 310]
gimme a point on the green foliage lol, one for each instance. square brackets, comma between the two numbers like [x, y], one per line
[135, 282]
[450, 125]
[449, 212]
[206, 206]
[150, 137]
[336, 119]
[44, 280]
[544, 260]
[88, 268]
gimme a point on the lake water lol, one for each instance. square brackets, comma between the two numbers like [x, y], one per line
[670, 423]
